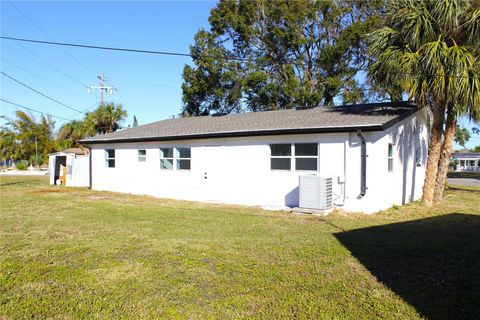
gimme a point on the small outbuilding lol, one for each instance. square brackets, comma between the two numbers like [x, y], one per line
[70, 167]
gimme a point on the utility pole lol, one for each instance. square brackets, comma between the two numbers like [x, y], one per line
[102, 87]
[36, 151]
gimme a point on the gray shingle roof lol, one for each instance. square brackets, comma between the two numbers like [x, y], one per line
[474, 155]
[368, 117]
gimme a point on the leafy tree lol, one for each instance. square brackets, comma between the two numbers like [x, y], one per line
[431, 49]
[8, 144]
[267, 55]
[462, 135]
[476, 149]
[23, 138]
[71, 133]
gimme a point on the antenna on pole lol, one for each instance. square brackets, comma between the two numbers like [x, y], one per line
[102, 87]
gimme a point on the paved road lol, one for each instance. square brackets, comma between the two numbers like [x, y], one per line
[464, 182]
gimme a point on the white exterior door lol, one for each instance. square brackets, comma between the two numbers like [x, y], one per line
[212, 172]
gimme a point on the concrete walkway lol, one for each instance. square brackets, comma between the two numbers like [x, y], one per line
[23, 173]
[464, 182]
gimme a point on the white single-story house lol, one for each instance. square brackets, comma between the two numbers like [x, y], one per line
[77, 164]
[360, 157]
[466, 161]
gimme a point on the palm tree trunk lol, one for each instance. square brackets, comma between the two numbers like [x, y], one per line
[444, 161]
[434, 149]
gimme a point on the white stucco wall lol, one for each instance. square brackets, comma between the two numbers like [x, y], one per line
[238, 169]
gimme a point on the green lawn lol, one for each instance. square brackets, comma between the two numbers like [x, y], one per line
[75, 253]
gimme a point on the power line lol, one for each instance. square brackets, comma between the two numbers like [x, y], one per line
[20, 106]
[48, 36]
[99, 47]
[40, 93]
[170, 53]
[41, 61]
[42, 78]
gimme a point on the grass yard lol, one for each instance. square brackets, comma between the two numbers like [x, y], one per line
[76, 253]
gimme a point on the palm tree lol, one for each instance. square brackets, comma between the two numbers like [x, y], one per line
[72, 132]
[431, 49]
[106, 118]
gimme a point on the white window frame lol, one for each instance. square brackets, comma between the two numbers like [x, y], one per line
[142, 157]
[281, 157]
[167, 158]
[293, 157]
[390, 152]
[175, 159]
[108, 158]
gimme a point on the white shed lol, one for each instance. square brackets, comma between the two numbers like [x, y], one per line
[365, 157]
[77, 163]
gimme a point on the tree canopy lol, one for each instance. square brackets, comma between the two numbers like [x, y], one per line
[267, 55]
[25, 138]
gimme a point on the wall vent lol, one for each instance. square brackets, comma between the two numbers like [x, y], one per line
[315, 192]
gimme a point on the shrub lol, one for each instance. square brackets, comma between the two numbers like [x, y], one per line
[23, 165]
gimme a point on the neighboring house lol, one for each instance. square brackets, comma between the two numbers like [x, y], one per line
[373, 155]
[76, 162]
[466, 161]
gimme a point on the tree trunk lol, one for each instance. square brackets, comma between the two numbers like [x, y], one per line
[434, 149]
[446, 151]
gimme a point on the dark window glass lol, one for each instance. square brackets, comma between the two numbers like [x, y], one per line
[110, 153]
[110, 158]
[142, 155]
[280, 163]
[183, 164]
[390, 150]
[183, 153]
[280, 150]
[166, 152]
[306, 164]
[306, 149]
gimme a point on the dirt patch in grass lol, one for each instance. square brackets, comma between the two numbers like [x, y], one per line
[49, 190]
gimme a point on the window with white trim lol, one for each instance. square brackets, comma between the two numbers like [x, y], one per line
[175, 158]
[306, 156]
[301, 156]
[166, 158]
[390, 157]
[142, 155]
[110, 158]
[281, 156]
[183, 158]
